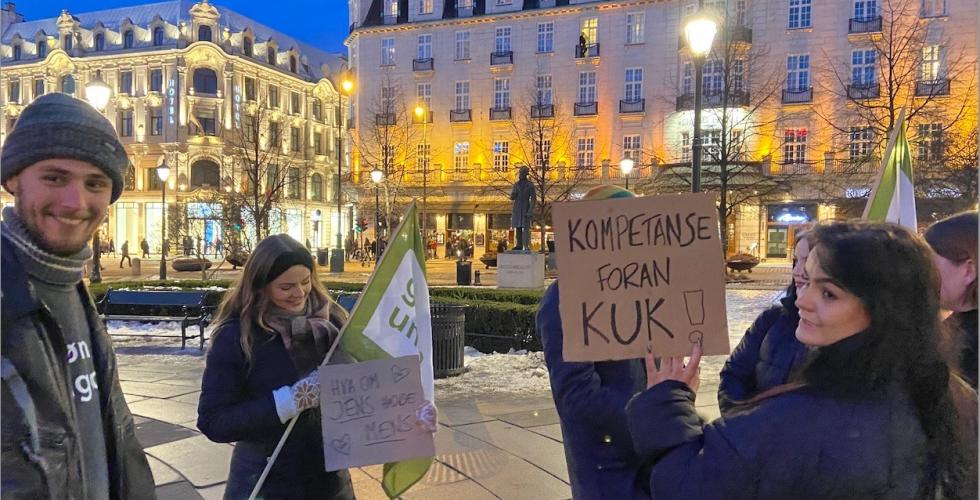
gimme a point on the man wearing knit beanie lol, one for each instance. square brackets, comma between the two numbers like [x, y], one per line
[63, 409]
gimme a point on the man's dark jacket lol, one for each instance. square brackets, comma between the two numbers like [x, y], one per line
[591, 402]
[41, 453]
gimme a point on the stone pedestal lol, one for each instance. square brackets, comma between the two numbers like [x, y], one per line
[520, 270]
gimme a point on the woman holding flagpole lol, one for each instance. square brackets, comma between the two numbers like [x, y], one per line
[274, 328]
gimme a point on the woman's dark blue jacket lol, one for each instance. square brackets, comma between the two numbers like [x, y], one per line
[236, 405]
[591, 401]
[765, 357]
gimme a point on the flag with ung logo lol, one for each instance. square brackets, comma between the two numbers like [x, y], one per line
[893, 196]
[391, 319]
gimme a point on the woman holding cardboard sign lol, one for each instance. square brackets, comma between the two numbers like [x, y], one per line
[870, 415]
[273, 331]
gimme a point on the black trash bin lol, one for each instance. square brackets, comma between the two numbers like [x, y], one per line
[464, 272]
[322, 257]
[448, 339]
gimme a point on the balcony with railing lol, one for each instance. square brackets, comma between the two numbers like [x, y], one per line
[587, 50]
[850, 166]
[798, 96]
[425, 118]
[500, 113]
[864, 91]
[856, 26]
[586, 108]
[632, 106]
[389, 19]
[381, 119]
[799, 168]
[929, 88]
[426, 64]
[714, 99]
[458, 175]
[737, 34]
[543, 111]
[503, 57]
[460, 115]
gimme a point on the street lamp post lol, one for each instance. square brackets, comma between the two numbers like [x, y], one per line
[163, 172]
[699, 31]
[626, 166]
[421, 111]
[97, 93]
[376, 177]
[337, 257]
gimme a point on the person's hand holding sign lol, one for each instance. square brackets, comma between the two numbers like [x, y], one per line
[673, 368]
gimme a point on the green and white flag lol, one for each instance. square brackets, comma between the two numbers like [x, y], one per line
[893, 196]
[391, 319]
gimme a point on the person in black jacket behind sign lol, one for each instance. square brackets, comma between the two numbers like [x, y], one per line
[870, 415]
[273, 331]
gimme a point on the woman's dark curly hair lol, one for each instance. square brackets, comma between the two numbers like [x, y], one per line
[891, 272]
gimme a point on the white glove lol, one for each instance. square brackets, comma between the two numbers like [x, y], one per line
[293, 400]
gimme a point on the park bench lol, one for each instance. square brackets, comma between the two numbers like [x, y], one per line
[149, 306]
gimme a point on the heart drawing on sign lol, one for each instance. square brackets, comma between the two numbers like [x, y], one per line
[398, 373]
[341, 445]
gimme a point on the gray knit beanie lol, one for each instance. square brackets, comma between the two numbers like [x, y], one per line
[59, 126]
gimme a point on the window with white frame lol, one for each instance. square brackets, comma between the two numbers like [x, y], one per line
[794, 145]
[425, 95]
[585, 152]
[687, 81]
[634, 84]
[685, 146]
[461, 156]
[425, 46]
[865, 10]
[634, 27]
[711, 144]
[859, 144]
[542, 153]
[126, 82]
[462, 96]
[424, 151]
[631, 148]
[391, 9]
[713, 78]
[462, 45]
[501, 156]
[464, 4]
[798, 72]
[741, 13]
[799, 14]
[586, 87]
[930, 141]
[931, 69]
[501, 39]
[387, 51]
[388, 99]
[546, 37]
[543, 90]
[425, 6]
[933, 8]
[590, 30]
[863, 68]
[501, 93]
[738, 75]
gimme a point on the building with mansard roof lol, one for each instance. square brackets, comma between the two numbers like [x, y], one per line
[185, 78]
[799, 96]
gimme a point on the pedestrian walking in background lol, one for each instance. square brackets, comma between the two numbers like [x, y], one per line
[145, 249]
[954, 241]
[67, 431]
[871, 414]
[125, 255]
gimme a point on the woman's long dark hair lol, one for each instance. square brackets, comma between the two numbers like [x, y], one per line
[890, 270]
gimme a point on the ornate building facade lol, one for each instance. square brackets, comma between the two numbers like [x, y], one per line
[799, 97]
[188, 81]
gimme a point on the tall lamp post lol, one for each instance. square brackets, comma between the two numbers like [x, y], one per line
[376, 177]
[421, 112]
[163, 172]
[699, 31]
[97, 93]
[626, 166]
[337, 257]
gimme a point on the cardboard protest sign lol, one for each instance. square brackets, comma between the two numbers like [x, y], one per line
[368, 413]
[636, 272]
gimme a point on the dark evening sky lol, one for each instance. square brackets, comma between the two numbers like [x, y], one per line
[322, 23]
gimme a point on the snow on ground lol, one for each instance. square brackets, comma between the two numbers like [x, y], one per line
[517, 372]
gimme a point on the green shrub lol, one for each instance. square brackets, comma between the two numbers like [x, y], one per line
[525, 297]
